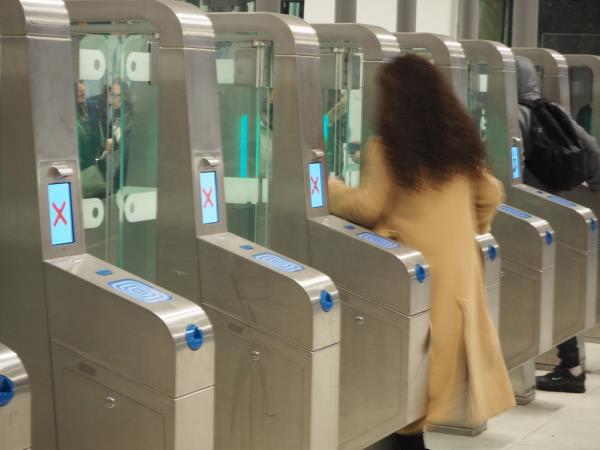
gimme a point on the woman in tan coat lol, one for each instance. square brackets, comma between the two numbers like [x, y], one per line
[425, 183]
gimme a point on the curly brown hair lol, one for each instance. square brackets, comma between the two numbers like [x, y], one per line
[427, 133]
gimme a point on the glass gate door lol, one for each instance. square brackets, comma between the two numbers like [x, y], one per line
[341, 77]
[244, 71]
[117, 127]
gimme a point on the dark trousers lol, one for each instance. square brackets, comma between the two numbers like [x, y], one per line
[568, 353]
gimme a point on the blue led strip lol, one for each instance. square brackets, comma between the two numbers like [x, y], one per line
[514, 212]
[244, 146]
[326, 127]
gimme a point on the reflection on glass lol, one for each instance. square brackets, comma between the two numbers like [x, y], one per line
[293, 8]
[477, 91]
[225, 5]
[495, 20]
[117, 123]
[246, 108]
[341, 79]
[581, 84]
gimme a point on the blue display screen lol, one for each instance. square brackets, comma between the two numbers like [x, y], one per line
[516, 162]
[209, 198]
[317, 197]
[60, 204]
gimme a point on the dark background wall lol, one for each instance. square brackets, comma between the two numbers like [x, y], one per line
[570, 26]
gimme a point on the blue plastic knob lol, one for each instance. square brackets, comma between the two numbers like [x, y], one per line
[246, 247]
[492, 253]
[7, 390]
[349, 227]
[194, 336]
[421, 273]
[549, 238]
[326, 301]
[593, 224]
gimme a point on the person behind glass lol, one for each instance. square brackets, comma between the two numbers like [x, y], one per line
[425, 183]
[118, 129]
[88, 131]
[568, 375]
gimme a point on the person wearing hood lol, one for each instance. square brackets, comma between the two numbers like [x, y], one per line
[529, 90]
[568, 376]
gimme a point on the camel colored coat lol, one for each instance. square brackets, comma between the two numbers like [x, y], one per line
[468, 381]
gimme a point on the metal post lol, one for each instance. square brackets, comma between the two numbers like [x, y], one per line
[406, 16]
[268, 6]
[525, 20]
[345, 11]
[468, 19]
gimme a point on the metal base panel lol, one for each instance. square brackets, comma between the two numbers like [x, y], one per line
[271, 394]
[97, 408]
[522, 379]
[459, 429]
[383, 370]
[593, 335]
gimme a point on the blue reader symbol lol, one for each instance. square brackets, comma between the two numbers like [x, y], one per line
[139, 291]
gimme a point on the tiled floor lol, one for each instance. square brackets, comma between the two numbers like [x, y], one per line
[553, 421]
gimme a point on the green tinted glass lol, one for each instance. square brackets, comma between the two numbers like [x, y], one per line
[477, 91]
[246, 108]
[341, 79]
[225, 5]
[581, 84]
[117, 124]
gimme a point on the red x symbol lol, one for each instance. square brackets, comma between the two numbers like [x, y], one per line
[207, 198]
[315, 187]
[59, 213]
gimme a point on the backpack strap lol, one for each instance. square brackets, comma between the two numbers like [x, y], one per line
[529, 103]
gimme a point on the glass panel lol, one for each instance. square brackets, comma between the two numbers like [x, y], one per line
[225, 5]
[572, 43]
[495, 20]
[246, 107]
[581, 80]
[477, 90]
[341, 78]
[293, 8]
[117, 123]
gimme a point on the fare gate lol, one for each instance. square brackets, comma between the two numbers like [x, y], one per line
[276, 321]
[275, 191]
[113, 360]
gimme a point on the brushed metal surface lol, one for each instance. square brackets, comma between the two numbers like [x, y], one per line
[15, 417]
[275, 394]
[98, 407]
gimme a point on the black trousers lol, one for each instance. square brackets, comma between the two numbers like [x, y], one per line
[568, 353]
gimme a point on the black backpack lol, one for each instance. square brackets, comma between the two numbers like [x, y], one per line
[555, 155]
